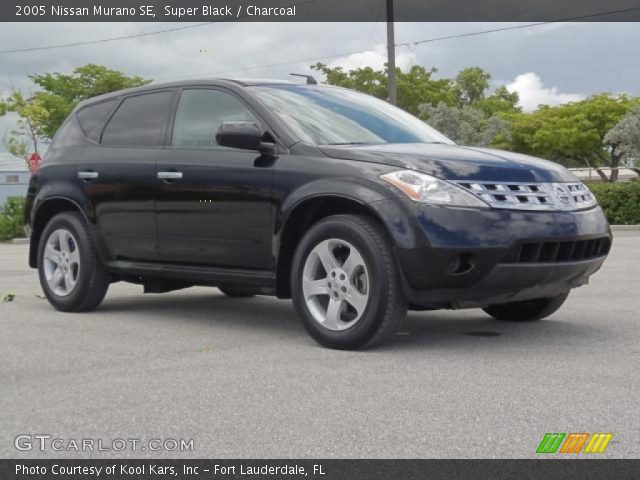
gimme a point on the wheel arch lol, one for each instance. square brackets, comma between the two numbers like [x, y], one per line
[45, 210]
[309, 210]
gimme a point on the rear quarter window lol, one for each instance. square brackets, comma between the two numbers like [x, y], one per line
[92, 116]
[67, 142]
[139, 121]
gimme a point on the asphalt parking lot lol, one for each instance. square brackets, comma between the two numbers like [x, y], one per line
[242, 378]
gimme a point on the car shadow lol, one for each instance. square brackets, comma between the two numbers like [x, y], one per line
[463, 329]
[277, 319]
[209, 308]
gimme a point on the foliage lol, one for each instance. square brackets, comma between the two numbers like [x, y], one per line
[12, 218]
[620, 201]
[459, 106]
[471, 83]
[501, 101]
[466, 125]
[573, 133]
[29, 132]
[624, 137]
[414, 87]
[42, 113]
[61, 92]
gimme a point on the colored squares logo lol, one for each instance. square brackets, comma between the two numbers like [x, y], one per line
[574, 443]
[598, 442]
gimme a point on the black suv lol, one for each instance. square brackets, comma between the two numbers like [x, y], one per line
[343, 202]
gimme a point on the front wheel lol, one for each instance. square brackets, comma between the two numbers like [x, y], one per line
[345, 283]
[71, 273]
[528, 310]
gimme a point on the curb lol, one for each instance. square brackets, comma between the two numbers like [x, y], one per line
[20, 241]
[625, 228]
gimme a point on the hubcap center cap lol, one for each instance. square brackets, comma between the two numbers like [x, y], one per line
[338, 283]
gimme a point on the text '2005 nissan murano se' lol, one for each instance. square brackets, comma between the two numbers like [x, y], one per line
[353, 208]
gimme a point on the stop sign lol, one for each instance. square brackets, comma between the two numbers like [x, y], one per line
[34, 161]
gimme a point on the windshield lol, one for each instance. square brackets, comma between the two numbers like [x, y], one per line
[336, 116]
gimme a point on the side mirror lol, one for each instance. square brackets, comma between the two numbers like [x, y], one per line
[243, 135]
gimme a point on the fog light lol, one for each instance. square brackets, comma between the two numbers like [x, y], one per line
[459, 264]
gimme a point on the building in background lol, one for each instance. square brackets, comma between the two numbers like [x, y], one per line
[14, 177]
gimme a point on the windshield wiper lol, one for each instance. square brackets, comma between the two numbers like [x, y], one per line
[350, 143]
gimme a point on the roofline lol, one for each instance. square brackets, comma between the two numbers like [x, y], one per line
[185, 83]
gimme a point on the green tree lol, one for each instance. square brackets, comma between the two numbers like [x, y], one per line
[471, 84]
[414, 87]
[501, 101]
[41, 114]
[573, 133]
[366, 79]
[624, 138]
[465, 125]
[61, 92]
[29, 133]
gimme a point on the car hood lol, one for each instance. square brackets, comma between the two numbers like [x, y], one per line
[455, 162]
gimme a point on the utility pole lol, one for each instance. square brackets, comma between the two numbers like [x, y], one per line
[391, 54]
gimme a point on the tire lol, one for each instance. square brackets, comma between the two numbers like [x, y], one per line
[528, 310]
[371, 282]
[237, 292]
[80, 259]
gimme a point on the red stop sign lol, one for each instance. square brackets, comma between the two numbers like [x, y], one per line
[34, 161]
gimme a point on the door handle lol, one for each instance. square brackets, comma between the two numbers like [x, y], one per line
[87, 175]
[169, 175]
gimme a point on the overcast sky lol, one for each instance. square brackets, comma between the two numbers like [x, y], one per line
[548, 64]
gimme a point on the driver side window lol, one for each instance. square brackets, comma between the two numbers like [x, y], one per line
[201, 112]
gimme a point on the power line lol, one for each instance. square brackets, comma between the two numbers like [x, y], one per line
[408, 44]
[127, 37]
[516, 27]
[373, 29]
[325, 57]
[103, 40]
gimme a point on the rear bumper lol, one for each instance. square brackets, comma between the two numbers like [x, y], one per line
[486, 246]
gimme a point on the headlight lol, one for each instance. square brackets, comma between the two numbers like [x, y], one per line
[424, 188]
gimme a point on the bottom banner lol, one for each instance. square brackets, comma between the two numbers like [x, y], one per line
[318, 469]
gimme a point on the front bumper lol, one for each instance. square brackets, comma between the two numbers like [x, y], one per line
[486, 245]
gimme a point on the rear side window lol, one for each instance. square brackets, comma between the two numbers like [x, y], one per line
[200, 114]
[139, 121]
[92, 116]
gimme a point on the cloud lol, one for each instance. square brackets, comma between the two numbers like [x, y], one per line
[532, 92]
[375, 58]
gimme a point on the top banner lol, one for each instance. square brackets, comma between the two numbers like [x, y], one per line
[319, 10]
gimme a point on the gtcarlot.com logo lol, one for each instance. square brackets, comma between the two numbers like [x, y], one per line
[574, 442]
[46, 442]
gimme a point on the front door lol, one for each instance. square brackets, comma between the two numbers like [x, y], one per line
[213, 203]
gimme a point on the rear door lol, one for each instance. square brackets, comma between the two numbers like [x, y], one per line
[213, 202]
[117, 172]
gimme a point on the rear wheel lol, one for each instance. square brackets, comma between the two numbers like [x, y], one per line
[345, 283]
[528, 310]
[237, 292]
[71, 273]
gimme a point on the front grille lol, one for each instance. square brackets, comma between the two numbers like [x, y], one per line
[532, 196]
[561, 251]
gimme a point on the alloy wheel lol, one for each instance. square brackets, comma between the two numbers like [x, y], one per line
[61, 262]
[335, 284]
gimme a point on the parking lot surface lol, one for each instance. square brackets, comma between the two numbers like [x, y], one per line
[243, 380]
